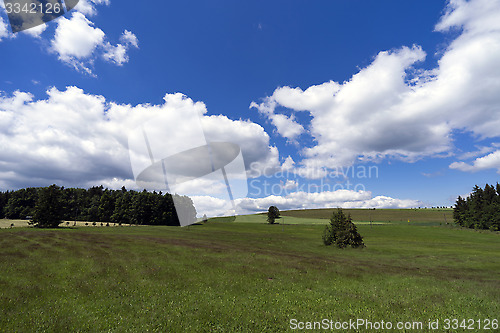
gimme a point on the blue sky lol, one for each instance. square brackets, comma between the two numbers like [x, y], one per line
[307, 87]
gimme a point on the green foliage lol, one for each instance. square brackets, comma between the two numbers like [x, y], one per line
[328, 235]
[102, 205]
[19, 204]
[48, 208]
[480, 210]
[342, 232]
[4, 197]
[272, 214]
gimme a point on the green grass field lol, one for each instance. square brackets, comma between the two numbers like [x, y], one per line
[242, 277]
[420, 216]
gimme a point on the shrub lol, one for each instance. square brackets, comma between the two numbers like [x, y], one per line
[342, 232]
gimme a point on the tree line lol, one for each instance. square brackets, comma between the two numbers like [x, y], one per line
[480, 210]
[95, 204]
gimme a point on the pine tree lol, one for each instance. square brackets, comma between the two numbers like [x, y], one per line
[48, 209]
[342, 231]
[481, 209]
[459, 212]
[106, 206]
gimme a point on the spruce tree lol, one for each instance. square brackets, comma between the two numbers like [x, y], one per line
[342, 231]
[48, 208]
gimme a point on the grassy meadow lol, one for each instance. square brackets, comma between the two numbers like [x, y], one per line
[243, 276]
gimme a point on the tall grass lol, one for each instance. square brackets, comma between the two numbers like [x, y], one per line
[247, 277]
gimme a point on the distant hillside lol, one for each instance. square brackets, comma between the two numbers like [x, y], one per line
[379, 215]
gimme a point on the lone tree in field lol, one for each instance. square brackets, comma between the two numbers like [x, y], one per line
[272, 214]
[48, 208]
[342, 232]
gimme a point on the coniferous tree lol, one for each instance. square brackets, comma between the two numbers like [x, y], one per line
[480, 210]
[460, 211]
[102, 205]
[48, 208]
[106, 206]
[3, 202]
[342, 231]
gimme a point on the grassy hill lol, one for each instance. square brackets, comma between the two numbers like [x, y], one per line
[242, 277]
[380, 215]
[360, 216]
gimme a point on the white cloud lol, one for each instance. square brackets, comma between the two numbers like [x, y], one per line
[78, 42]
[128, 38]
[288, 164]
[76, 39]
[36, 32]
[393, 109]
[289, 185]
[490, 161]
[477, 16]
[286, 126]
[87, 7]
[210, 206]
[260, 158]
[482, 150]
[300, 200]
[75, 139]
[117, 54]
[326, 199]
[4, 30]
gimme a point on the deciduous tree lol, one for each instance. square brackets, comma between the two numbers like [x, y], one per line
[272, 214]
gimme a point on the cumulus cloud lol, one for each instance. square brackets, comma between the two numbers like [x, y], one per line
[210, 206]
[117, 54]
[394, 109]
[128, 38]
[490, 161]
[73, 138]
[477, 16]
[76, 41]
[286, 126]
[260, 158]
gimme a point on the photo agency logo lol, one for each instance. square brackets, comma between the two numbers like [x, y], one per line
[177, 157]
[26, 14]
